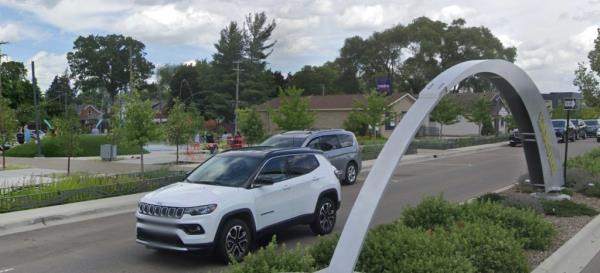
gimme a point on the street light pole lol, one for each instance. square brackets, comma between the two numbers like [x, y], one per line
[37, 111]
[237, 96]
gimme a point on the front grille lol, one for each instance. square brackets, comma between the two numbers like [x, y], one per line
[161, 211]
[157, 237]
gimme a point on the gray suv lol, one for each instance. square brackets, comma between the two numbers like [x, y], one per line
[339, 146]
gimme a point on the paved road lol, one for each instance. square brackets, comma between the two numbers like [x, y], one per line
[107, 244]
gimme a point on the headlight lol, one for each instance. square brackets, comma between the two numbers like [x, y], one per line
[201, 210]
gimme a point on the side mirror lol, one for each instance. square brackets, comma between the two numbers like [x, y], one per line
[263, 181]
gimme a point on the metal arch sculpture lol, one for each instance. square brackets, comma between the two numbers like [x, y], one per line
[529, 112]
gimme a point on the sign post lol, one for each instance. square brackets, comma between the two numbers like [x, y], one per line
[570, 104]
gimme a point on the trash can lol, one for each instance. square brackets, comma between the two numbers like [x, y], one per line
[20, 138]
[105, 152]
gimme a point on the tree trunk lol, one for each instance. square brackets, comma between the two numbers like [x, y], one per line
[142, 158]
[3, 159]
[69, 165]
[441, 130]
[177, 154]
[479, 128]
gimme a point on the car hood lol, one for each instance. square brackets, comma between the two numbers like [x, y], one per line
[188, 195]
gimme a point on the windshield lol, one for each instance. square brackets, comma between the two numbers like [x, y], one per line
[558, 123]
[592, 122]
[284, 141]
[223, 170]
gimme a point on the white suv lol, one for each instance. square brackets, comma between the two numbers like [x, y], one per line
[233, 198]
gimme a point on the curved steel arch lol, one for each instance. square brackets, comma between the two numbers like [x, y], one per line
[528, 109]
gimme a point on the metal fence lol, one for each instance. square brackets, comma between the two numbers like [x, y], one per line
[10, 202]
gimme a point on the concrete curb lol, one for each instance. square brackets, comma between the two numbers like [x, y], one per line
[576, 253]
[415, 158]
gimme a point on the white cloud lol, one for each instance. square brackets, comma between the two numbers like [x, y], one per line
[17, 32]
[47, 65]
[361, 16]
[299, 45]
[585, 39]
[170, 25]
[508, 41]
[449, 13]
[535, 59]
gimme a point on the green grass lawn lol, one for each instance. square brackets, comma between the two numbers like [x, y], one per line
[90, 146]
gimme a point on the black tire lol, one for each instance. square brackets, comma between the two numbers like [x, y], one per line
[325, 217]
[234, 242]
[597, 139]
[351, 174]
[512, 144]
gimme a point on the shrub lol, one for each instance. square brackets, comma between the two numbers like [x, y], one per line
[275, 259]
[529, 228]
[431, 212]
[490, 197]
[51, 147]
[523, 184]
[523, 201]
[489, 247]
[398, 248]
[592, 190]
[579, 178]
[589, 161]
[567, 208]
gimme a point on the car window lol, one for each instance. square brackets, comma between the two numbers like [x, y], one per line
[346, 140]
[281, 141]
[274, 170]
[225, 170]
[329, 142]
[558, 123]
[301, 164]
[314, 144]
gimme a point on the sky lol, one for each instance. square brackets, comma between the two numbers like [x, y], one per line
[551, 36]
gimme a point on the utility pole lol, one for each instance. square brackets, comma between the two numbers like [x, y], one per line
[237, 96]
[1, 55]
[131, 86]
[36, 103]
[322, 90]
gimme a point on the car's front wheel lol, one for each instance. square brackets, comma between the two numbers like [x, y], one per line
[234, 241]
[351, 174]
[325, 217]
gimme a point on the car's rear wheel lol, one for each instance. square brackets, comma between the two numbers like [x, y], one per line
[351, 174]
[325, 217]
[234, 242]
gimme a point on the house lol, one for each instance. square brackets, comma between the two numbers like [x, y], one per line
[554, 100]
[498, 110]
[89, 116]
[161, 111]
[332, 110]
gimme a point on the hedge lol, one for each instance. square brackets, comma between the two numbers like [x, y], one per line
[89, 146]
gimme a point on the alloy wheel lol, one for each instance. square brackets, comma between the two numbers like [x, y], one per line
[236, 242]
[327, 216]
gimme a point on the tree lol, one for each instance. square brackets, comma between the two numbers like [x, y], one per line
[18, 90]
[250, 125]
[356, 123]
[315, 80]
[371, 111]
[588, 85]
[102, 62]
[59, 95]
[480, 113]
[67, 132]
[294, 111]
[8, 127]
[139, 127]
[180, 126]
[445, 113]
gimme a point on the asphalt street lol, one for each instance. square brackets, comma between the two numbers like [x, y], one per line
[108, 244]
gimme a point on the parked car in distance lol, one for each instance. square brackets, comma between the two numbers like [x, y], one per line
[560, 130]
[592, 126]
[338, 145]
[581, 128]
[236, 197]
[598, 135]
[515, 138]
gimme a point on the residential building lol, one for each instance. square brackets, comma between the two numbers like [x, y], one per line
[332, 110]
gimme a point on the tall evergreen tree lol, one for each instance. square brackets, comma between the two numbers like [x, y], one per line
[59, 95]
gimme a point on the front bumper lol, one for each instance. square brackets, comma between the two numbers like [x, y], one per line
[171, 234]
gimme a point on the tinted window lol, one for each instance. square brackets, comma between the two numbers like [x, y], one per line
[274, 170]
[328, 143]
[301, 164]
[558, 123]
[314, 144]
[225, 170]
[591, 122]
[346, 140]
[284, 141]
